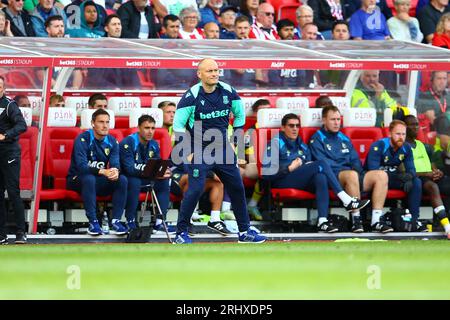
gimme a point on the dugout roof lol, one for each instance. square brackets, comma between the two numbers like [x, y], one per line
[165, 53]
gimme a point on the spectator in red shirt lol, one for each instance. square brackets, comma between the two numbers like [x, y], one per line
[441, 37]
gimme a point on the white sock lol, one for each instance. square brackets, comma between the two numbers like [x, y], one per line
[252, 203]
[158, 222]
[447, 228]
[376, 215]
[345, 198]
[356, 213]
[226, 206]
[215, 216]
[439, 209]
[321, 220]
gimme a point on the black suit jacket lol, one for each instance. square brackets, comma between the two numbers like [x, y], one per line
[131, 21]
[26, 22]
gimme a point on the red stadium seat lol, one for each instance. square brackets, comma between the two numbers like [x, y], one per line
[122, 122]
[28, 144]
[362, 138]
[116, 133]
[307, 132]
[58, 153]
[288, 11]
[278, 3]
[249, 122]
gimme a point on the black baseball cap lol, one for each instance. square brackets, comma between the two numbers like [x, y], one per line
[228, 8]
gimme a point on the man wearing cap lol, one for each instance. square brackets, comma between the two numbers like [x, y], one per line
[227, 18]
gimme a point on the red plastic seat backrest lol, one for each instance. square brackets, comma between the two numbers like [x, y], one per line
[362, 138]
[28, 145]
[58, 153]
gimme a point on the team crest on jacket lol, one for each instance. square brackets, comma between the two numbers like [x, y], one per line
[107, 151]
[329, 147]
[150, 153]
[225, 100]
[401, 157]
[125, 146]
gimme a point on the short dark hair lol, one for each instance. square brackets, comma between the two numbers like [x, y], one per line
[51, 19]
[284, 23]
[169, 17]
[110, 17]
[327, 109]
[323, 101]
[144, 118]
[166, 103]
[99, 112]
[338, 22]
[18, 97]
[258, 103]
[241, 19]
[395, 123]
[288, 117]
[409, 116]
[95, 97]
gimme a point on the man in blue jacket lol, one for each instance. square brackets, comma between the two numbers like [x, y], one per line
[389, 154]
[333, 146]
[288, 165]
[135, 151]
[203, 115]
[94, 170]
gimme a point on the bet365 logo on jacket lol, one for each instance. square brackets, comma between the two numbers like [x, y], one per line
[214, 114]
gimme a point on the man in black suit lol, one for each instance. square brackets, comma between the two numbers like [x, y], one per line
[19, 19]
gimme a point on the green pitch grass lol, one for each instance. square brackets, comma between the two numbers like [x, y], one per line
[413, 269]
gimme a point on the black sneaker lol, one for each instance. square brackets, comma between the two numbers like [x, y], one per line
[219, 227]
[357, 226]
[381, 227]
[21, 238]
[3, 240]
[420, 227]
[328, 227]
[356, 204]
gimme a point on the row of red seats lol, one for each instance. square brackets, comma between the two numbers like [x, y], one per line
[59, 145]
[361, 138]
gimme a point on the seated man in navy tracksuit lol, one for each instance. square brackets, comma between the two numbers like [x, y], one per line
[135, 151]
[94, 170]
[288, 165]
[389, 154]
[331, 145]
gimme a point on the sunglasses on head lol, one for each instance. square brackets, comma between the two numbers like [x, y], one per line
[293, 125]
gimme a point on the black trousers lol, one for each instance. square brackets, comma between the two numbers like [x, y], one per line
[9, 181]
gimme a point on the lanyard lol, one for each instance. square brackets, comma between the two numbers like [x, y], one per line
[443, 106]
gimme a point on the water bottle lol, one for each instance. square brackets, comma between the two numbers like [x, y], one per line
[105, 223]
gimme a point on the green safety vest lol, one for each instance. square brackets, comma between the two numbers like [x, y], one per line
[421, 160]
